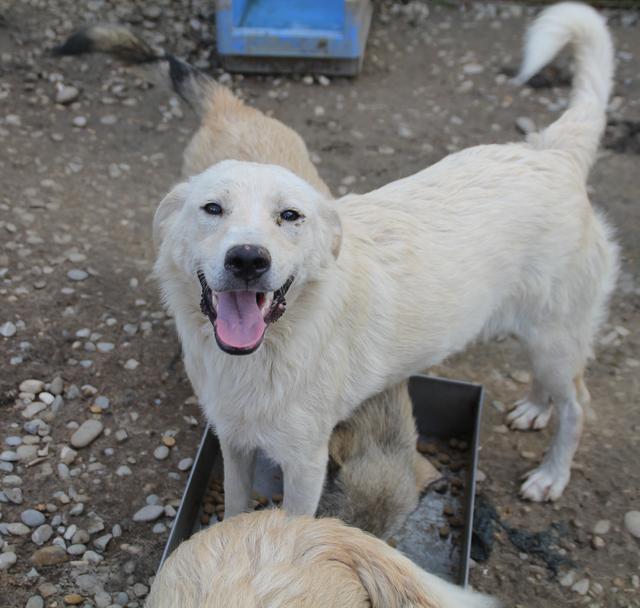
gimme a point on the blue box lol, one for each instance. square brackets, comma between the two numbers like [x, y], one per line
[327, 36]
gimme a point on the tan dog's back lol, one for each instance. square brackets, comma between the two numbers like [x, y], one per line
[269, 559]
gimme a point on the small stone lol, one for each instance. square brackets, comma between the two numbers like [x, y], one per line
[602, 527]
[140, 590]
[525, 125]
[16, 529]
[79, 121]
[35, 601]
[169, 441]
[76, 274]
[76, 549]
[8, 329]
[27, 453]
[33, 409]
[7, 560]
[597, 542]
[14, 495]
[49, 556]
[148, 513]
[66, 94]
[161, 452]
[57, 386]
[105, 347]
[31, 386]
[67, 455]
[185, 464]
[9, 456]
[32, 518]
[131, 364]
[581, 587]
[121, 435]
[632, 523]
[46, 398]
[89, 430]
[159, 528]
[73, 599]
[42, 534]
[47, 589]
[123, 471]
[102, 542]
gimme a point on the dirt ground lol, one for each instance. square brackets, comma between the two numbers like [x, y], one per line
[80, 182]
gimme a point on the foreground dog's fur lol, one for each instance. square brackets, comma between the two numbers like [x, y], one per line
[493, 239]
[376, 474]
[273, 560]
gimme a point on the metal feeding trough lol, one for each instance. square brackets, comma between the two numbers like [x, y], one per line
[447, 415]
[266, 36]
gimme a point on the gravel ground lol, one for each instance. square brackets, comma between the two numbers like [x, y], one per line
[98, 422]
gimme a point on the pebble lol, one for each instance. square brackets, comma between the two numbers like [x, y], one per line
[7, 560]
[161, 452]
[73, 599]
[102, 542]
[33, 409]
[35, 601]
[57, 386]
[49, 556]
[79, 121]
[121, 435]
[9, 456]
[597, 542]
[32, 518]
[76, 549]
[148, 513]
[47, 589]
[89, 430]
[66, 94]
[525, 125]
[31, 386]
[67, 455]
[581, 587]
[42, 534]
[105, 347]
[602, 527]
[76, 274]
[169, 441]
[16, 529]
[632, 523]
[8, 329]
[123, 471]
[185, 464]
[131, 364]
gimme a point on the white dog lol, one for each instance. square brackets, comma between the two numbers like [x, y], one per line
[493, 239]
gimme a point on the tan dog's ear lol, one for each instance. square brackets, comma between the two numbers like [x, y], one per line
[341, 444]
[426, 473]
[167, 207]
[331, 217]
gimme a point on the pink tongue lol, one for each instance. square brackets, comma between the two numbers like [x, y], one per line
[239, 322]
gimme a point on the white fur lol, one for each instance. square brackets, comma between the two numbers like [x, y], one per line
[493, 239]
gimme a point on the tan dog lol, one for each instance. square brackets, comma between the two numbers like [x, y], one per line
[268, 559]
[376, 474]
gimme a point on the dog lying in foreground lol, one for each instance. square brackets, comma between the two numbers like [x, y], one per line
[271, 559]
[332, 302]
[375, 475]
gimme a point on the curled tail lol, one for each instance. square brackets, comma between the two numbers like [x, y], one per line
[580, 128]
[187, 81]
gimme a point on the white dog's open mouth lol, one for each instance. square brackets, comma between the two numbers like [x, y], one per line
[240, 318]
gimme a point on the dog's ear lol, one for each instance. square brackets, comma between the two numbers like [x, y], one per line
[341, 444]
[168, 206]
[332, 220]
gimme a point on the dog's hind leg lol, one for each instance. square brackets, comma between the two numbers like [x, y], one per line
[556, 356]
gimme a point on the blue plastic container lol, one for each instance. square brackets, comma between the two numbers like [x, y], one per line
[327, 36]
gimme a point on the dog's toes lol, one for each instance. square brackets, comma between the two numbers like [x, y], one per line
[529, 416]
[543, 485]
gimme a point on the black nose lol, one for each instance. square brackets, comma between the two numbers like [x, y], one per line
[247, 262]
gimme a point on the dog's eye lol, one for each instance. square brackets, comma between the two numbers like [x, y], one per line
[290, 215]
[212, 209]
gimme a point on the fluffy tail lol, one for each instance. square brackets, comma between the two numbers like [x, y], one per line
[187, 81]
[580, 128]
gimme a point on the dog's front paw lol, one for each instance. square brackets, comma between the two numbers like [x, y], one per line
[544, 484]
[529, 416]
